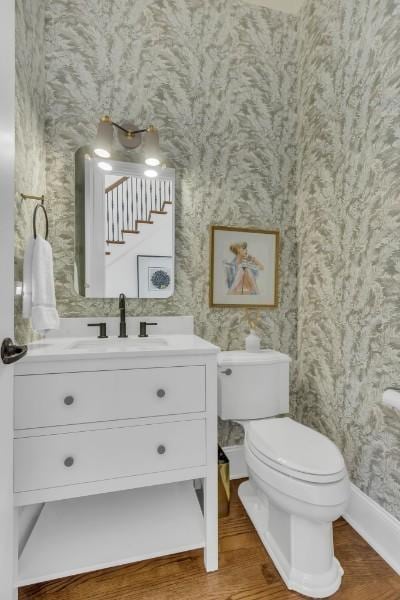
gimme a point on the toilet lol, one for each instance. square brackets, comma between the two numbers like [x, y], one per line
[298, 482]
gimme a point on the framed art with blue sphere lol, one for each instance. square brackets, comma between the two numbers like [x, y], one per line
[155, 276]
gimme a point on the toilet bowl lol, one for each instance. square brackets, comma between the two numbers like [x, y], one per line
[298, 482]
[292, 506]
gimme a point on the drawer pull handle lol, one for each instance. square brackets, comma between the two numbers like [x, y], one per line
[227, 372]
[69, 461]
[68, 400]
[161, 393]
[161, 449]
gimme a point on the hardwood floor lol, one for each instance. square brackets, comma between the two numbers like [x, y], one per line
[246, 572]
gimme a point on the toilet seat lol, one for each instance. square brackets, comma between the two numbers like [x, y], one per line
[295, 450]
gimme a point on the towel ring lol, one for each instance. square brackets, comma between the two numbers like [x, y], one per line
[34, 220]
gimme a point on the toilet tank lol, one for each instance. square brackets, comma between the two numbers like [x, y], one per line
[252, 385]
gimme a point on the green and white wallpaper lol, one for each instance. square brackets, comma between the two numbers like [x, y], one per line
[348, 223]
[218, 78]
[270, 120]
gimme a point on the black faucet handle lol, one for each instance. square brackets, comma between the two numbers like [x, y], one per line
[122, 299]
[103, 329]
[143, 328]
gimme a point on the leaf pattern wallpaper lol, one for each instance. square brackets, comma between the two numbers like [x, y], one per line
[270, 120]
[218, 78]
[348, 224]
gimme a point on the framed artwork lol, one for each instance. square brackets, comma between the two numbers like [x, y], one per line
[244, 267]
[155, 276]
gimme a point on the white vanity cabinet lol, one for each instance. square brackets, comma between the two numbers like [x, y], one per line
[109, 447]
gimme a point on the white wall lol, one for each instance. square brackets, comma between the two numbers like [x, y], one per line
[121, 265]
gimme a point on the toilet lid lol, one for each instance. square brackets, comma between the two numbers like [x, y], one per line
[294, 447]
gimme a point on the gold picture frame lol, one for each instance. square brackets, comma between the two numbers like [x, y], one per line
[232, 281]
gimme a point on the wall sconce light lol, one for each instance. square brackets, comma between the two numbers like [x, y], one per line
[129, 137]
[151, 147]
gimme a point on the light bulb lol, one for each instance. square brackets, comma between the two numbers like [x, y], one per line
[105, 166]
[152, 162]
[150, 173]
[102, 153]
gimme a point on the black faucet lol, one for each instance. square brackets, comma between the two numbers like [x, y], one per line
[122, 322]
[143, 328]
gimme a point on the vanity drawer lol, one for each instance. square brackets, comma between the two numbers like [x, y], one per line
[66, 459]
[68, 398]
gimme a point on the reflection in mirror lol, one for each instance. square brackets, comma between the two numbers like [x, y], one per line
[124, 229]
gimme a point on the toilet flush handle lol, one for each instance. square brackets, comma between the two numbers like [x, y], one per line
[227, 372]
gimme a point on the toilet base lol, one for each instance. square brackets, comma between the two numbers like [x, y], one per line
[315, 585]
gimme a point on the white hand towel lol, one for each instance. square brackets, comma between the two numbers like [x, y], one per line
[44, 311]
[27, 281]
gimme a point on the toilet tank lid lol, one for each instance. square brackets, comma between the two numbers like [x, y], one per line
[241, 357]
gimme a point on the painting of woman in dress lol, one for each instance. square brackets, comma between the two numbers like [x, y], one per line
[243, 267]
[242, 271]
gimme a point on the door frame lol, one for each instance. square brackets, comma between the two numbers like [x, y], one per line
[8, 565]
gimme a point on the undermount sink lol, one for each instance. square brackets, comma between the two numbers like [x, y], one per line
[119, 344]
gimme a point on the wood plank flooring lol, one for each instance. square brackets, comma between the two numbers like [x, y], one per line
[246, 572]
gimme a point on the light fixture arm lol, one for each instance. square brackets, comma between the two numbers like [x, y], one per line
[128, 131]
[129, 138]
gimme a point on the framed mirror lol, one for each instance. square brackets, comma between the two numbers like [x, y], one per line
[124, 233]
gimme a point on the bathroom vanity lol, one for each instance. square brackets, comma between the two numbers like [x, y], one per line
[111, 436]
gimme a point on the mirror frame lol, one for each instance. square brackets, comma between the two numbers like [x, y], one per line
[89, 185]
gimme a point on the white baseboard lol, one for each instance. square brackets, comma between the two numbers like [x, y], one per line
[378, 527]
[237, 464]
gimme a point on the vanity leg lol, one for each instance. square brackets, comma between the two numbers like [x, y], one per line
[14, 593]
[211, 521]
[210, 482]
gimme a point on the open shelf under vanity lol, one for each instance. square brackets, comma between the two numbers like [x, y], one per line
[93, 532]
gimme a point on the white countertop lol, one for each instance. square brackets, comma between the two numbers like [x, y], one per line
[81, 348]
